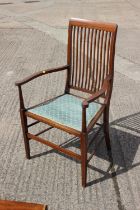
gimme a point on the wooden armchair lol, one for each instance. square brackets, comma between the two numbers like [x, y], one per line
[90, 69]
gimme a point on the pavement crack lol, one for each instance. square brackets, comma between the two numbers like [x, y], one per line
[5, 3]
[132, 5]
[123, 57]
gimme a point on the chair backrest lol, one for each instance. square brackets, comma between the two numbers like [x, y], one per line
[91, 50]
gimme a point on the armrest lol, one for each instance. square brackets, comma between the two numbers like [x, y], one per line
[40, 73]
[99, 93]
[92, 98]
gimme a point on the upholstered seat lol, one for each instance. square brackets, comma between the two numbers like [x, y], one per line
[66, 110]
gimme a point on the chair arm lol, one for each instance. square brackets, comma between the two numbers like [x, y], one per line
[92, 98]
[99, 93]
[40, 73]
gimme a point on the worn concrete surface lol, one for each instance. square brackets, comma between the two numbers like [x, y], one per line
[33, 36]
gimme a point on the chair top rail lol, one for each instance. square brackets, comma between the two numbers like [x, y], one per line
[111, 27]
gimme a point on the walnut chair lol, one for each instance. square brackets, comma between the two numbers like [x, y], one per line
[90, 69]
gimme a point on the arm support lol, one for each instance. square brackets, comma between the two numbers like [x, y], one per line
[105, 90]
[40, 73]
[99, 93]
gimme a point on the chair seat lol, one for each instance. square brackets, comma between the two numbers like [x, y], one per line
[66, 110]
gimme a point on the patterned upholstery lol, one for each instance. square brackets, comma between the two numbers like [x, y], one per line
[66, 110]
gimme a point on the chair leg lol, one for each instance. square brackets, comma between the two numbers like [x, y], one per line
[106, 128]
[25, 131]
[84, 159]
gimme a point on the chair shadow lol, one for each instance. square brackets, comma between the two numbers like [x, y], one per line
[124, 147]
[130, 122]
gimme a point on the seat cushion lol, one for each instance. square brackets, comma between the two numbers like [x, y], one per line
[66, 110]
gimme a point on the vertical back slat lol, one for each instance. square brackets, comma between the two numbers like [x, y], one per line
[86, 67]
[73, 55]
[90, 60]
[108, 50]
[97, 60]
[100, 62]
[80, 55]
[94, 64]
[77, 58]
[104, 56]
[83, 68]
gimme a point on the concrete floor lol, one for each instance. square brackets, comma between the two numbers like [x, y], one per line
[33, 36]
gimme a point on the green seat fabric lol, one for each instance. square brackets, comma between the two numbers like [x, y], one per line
[66, 110]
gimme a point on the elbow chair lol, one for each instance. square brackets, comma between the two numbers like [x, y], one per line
[90, 69]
